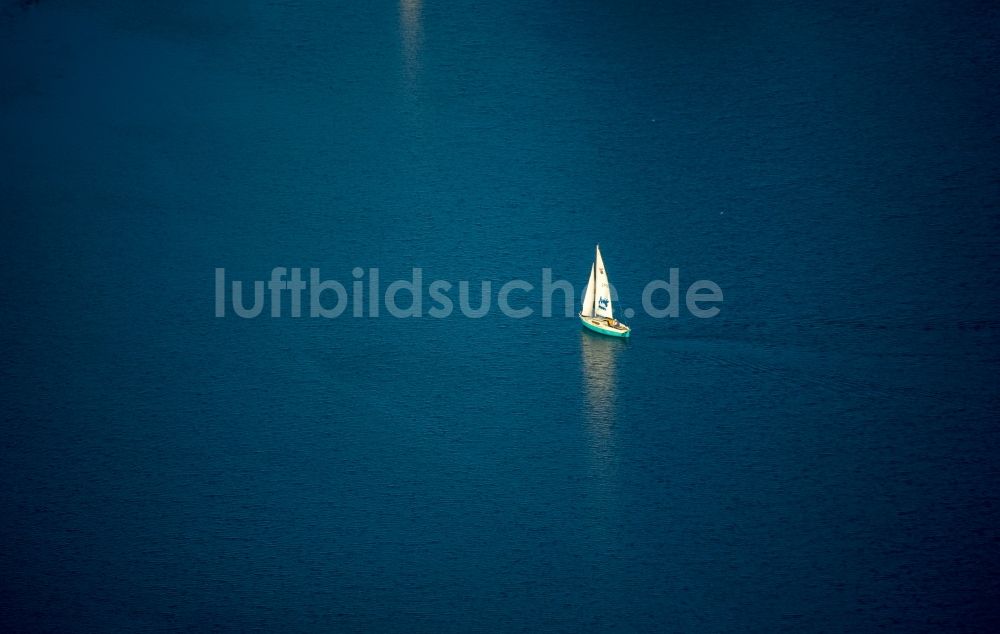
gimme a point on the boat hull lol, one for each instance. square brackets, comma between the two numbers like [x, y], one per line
[598, 325]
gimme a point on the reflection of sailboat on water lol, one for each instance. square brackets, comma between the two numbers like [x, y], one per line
[599, 360]
[413, 35]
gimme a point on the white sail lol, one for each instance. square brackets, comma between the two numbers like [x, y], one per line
[602, 301]
[588, 296]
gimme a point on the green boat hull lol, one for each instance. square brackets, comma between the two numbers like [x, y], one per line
[604, 330]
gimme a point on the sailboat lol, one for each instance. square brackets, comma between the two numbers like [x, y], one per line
[597, 313]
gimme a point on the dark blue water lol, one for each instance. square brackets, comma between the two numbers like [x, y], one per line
[822, 455]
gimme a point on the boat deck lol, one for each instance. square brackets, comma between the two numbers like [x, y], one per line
[605, 322]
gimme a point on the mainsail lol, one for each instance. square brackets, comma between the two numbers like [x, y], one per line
[602, 301]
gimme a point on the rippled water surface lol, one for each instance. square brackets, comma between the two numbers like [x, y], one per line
[819, 456]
